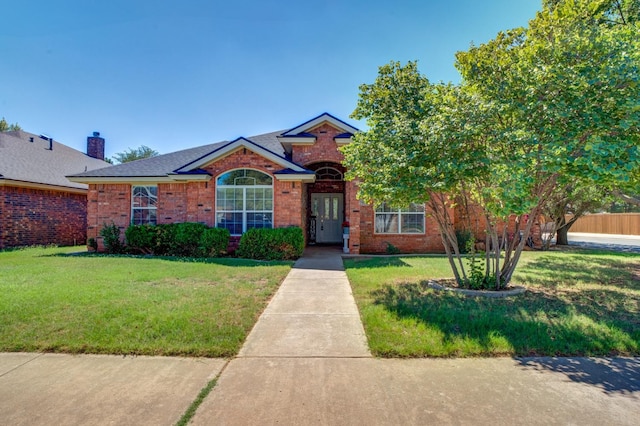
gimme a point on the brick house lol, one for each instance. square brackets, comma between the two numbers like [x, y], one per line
[286, 178]
[38, 204]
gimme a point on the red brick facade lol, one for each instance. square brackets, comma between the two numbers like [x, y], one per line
[193, 201]
[38, 217]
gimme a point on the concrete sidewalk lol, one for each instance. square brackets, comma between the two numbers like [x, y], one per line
[58, 389]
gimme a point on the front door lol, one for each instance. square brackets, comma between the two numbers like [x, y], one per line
[327, 208]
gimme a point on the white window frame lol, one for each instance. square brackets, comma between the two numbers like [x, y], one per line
[244, 188]
[400, 213]
[134, 207]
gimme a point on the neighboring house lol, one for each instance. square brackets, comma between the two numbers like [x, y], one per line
[286, 178]
[38, 204]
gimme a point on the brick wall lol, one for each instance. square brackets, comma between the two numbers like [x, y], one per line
[108, 203]
[37, 217]
[325, 148]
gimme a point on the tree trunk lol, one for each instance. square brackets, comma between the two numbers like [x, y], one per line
[561, 236]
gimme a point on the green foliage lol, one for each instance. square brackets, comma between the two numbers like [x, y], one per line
[391, 249]
[178, 239]
[133, 154]
[6, 127]
[111, 238]
[465, 240]
[538, 109]
[213, 242]
[186, 240]
[272, 244]
[141, 238]
[93, 244]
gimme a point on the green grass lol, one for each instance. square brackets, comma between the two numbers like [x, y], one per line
[578, 303]
[54, 301]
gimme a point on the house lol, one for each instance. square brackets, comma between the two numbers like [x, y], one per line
[291, 177]
[38, 204]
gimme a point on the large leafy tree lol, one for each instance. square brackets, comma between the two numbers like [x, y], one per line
[133, 154]
[538, 108]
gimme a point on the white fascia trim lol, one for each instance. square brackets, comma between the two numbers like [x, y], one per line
[241, 143]
[43, 186]
[303, 177]
[343, 141]
[319, 120]
[297, 140]
[142, 179]
[190, 178]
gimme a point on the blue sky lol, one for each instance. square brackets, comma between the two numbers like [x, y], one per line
[177, 74]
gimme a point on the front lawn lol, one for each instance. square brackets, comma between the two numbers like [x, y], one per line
[52, 300]
[578, 303]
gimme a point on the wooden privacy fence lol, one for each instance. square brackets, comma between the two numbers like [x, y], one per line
[608, 223]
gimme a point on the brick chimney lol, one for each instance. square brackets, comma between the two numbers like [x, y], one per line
[95, 146]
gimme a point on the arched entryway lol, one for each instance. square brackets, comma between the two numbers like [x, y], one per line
[325, 204]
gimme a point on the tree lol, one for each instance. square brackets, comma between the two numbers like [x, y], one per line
[537, 108]
[133, 154]
[573, 199]
[6, 127]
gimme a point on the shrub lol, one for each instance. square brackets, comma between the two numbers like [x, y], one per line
[178, 239]
[464, 237]
[213, 242]
[391, 249]
[186, 239]
[92, 244]
[165, 240]
[272, 244]
[111, 237]
[142, 238]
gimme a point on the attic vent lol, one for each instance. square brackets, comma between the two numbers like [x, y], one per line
[31, 139]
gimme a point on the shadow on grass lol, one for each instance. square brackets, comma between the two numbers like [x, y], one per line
[612, 375]
[375, 262]
[534, 324]
[226, 261]
[551, 271]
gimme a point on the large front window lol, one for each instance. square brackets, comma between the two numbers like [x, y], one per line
[144, 200]
[244, 200]
[408, 220]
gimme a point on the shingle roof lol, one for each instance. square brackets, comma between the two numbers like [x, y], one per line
[162, 165]
[185, 161]
[33, 162]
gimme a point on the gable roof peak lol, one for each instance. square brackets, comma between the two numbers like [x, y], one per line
[325, 117]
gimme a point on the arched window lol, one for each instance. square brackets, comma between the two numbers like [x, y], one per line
[244, 200]
[328, 173]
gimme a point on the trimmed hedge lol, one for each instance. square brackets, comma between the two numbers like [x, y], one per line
[178, 239]
[272, 244]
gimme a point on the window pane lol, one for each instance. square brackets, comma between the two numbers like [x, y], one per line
[244, 177]
[259, 220]
[335, 208]
[230, 221]
[143, 205]
[386, 223]
[412, 223]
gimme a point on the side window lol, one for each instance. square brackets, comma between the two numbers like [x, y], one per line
[144, 200]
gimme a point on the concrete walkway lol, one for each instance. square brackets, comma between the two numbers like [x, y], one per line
[313, 314]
